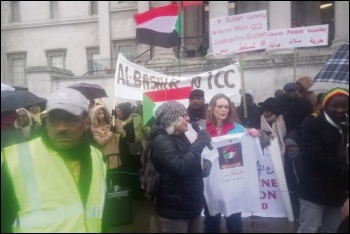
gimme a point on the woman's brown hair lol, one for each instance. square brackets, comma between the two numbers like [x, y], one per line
[232, 115]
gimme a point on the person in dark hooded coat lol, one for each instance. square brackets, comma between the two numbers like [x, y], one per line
[294, 108]
[253, 112]
[293, 167]
[179, 199]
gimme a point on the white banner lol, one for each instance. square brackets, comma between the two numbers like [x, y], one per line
[233, 183]
[270, 195]
[239, 33]
[132, 80]
[316, 35]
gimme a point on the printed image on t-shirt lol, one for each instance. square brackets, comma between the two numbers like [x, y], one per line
[230, 156]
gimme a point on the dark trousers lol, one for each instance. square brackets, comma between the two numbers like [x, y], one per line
[129, 174]
[212, 223]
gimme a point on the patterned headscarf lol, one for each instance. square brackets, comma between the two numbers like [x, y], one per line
[169, 112]
[332, 93]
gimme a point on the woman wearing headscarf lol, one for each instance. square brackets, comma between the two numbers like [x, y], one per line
[179, 198]
[27, 125]
[133, 137]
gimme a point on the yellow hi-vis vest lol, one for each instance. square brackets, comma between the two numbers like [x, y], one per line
[48, 197]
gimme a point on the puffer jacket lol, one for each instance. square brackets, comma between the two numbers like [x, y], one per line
[323, 181]
[180, 191]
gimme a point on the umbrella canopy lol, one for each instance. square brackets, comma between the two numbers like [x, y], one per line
[90, 91]
[6, 87]
[12, 100]
[335, 73]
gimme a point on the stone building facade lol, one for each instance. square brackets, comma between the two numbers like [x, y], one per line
[46, 45]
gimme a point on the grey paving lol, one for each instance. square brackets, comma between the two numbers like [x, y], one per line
[146, 221]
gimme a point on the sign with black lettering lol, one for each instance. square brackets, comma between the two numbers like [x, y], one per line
[132, 80]
[239, 33]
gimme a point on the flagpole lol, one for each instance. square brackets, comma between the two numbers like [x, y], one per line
[295, 64]
[179, 13]
[241, 65]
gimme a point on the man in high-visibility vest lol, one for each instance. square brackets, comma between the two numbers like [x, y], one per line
[55, 183]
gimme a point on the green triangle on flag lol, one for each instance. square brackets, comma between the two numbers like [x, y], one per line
[148, 104]
[153, 98]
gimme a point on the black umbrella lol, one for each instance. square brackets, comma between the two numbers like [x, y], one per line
[12, 100]
[90, 91]
[335, 73]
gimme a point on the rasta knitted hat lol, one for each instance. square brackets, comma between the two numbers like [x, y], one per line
[333, 93]
[169, 112]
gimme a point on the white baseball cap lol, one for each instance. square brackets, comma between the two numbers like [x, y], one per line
[69, 100]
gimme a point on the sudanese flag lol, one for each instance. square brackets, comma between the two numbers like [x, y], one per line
[153, 99]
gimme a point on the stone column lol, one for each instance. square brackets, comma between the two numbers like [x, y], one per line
[162, 55]
[142, 6]
[104, 32]
[5, 12]
[279, 14]
[216, 9]
[341, 22]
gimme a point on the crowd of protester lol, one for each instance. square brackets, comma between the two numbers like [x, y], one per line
[306, 126]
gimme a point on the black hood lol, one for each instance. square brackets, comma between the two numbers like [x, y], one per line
[155, 131]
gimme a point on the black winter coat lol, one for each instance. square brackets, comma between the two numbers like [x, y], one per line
[180, 191]
[294, 112]
[253, 118]
[323, 181]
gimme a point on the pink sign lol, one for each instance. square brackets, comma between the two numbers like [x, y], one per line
[316, 35]
[239, 33]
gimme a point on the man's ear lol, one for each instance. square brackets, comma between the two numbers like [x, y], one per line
[86, 123]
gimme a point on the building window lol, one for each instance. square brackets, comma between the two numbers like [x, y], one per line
[56, 58]
[56, 61]
[95, 64]
[54, 9]
[128, 51]
[17, 63]
[14, 11]
[94, 7]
